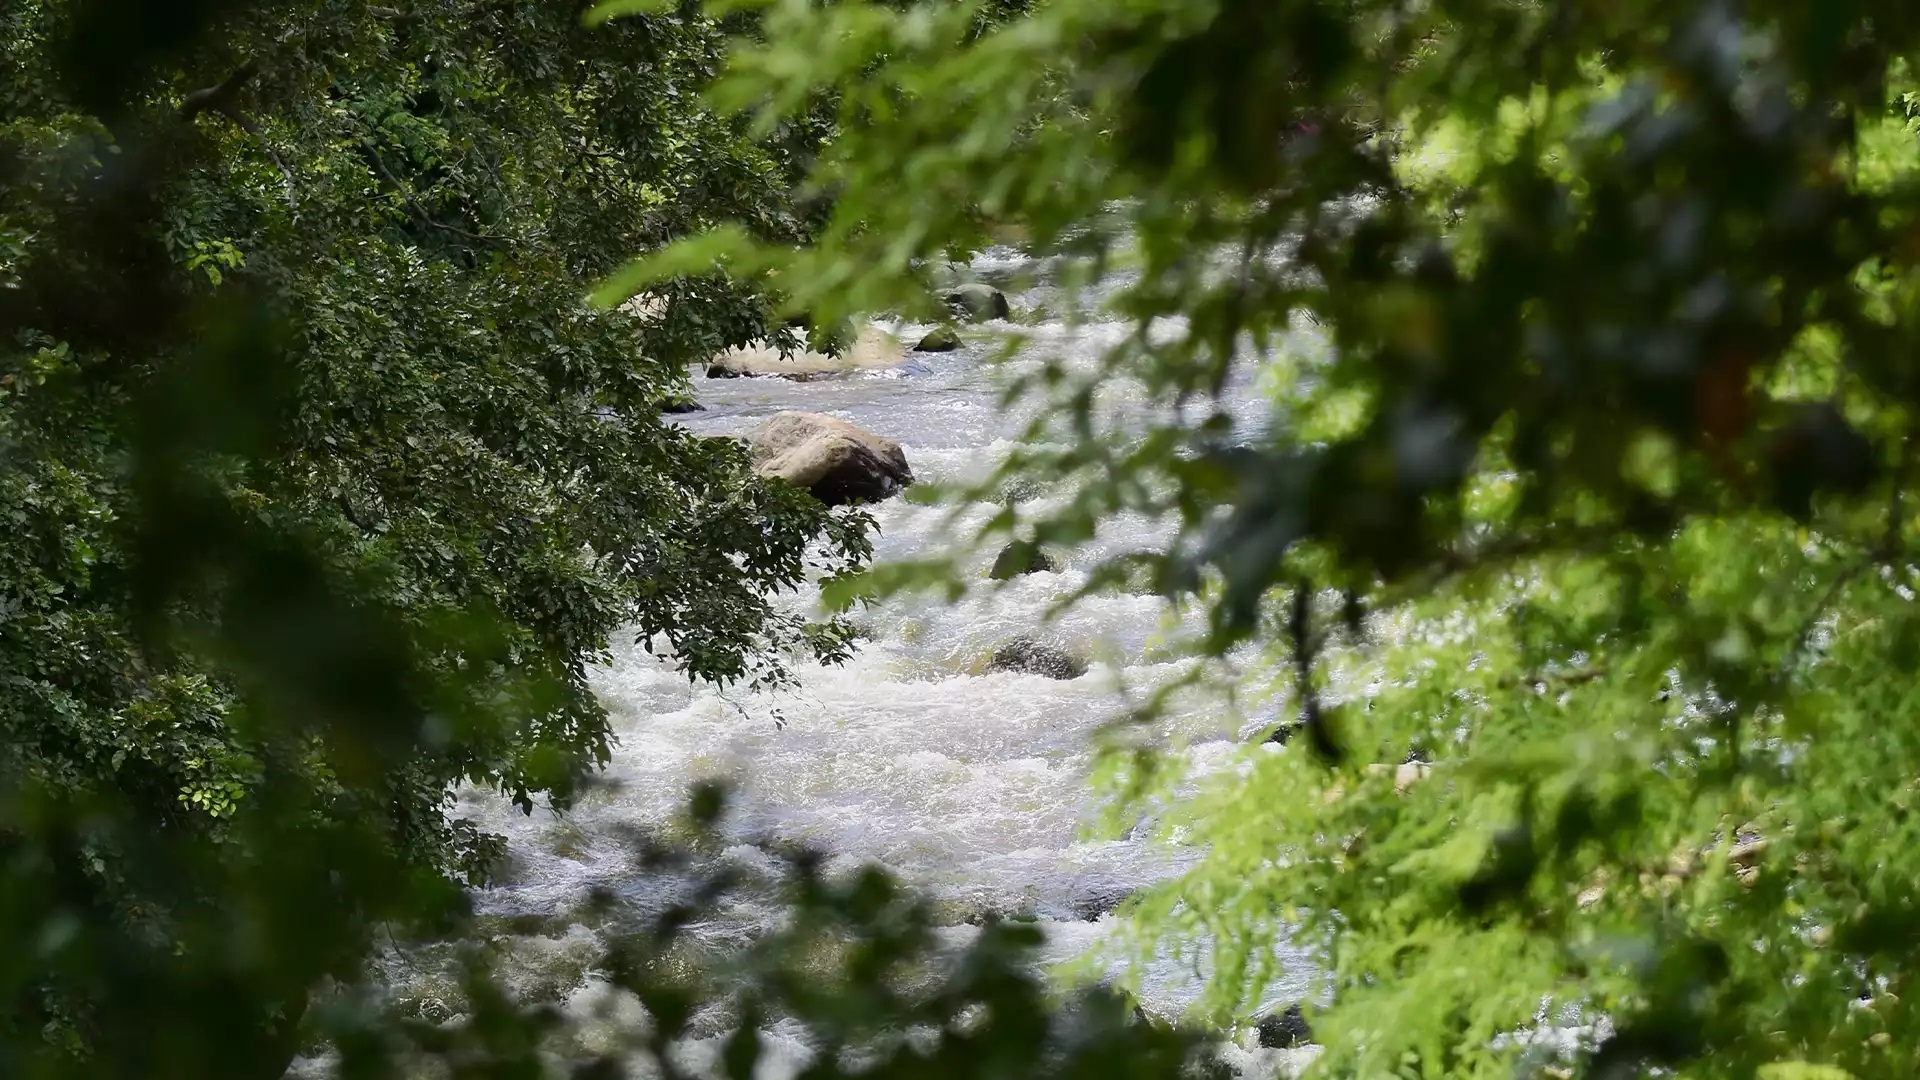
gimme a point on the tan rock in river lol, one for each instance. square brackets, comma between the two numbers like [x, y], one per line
[837, 461]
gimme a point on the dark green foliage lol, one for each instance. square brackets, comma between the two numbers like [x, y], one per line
[322, 486]
[1588, 331]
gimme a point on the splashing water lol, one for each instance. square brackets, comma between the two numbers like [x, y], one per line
[971, 786]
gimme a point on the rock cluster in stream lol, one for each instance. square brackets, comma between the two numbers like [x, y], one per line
[872, 349]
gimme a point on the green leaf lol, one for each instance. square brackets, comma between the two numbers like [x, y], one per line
[614, 9]
[1800, 1070]
[727, 247]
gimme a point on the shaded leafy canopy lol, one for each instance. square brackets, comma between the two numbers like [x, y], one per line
[1590, 331]
[322, 489]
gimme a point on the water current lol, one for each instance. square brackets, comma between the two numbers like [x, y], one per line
[971, 786]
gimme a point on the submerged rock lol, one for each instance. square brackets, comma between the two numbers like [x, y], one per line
[838, 462]
[1029, 657]
[682, 405]
[1099, 901]
[978, 302]
[939, 339]
[1018, 489]
[1285, 1030]
[1021, 557]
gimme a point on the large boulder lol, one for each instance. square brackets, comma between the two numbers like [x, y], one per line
[1029, 657]
[838, 462]
[978, 302]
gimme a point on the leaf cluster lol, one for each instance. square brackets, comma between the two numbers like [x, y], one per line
[1586, 332]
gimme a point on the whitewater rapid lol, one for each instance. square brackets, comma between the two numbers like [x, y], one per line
[971, 786]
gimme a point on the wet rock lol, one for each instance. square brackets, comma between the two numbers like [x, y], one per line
[1285, 1030]
[966, 911]
[682, 405]
[1018, 489]
[1029, 657]
[838, 462]
[978, 302]
[1021, 557]
[526, 924]
[1098, 901]
[939, 339]
[429, 1009]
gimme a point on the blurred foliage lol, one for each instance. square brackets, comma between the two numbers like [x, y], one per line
[321, 489]
[855, 982]
[1591, 336]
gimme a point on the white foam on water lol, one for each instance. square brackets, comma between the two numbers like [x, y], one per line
[972, 786]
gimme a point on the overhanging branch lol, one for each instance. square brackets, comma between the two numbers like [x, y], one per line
[222, 98]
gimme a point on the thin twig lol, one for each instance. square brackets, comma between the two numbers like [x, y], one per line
[1577, 677]
[253, 129]
[1882, 554]
[406, 193]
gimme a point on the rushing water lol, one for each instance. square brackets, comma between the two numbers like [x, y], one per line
[971, 786]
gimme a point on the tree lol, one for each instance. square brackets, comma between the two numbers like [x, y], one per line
[1586, 477]
[322, 487]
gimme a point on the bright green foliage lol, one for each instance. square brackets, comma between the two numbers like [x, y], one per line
[320, 487]
[1592, 331]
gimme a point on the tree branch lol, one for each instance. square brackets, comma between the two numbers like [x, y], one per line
[222, 98]
[420, 213]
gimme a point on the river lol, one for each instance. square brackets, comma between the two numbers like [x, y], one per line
[971, 786]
